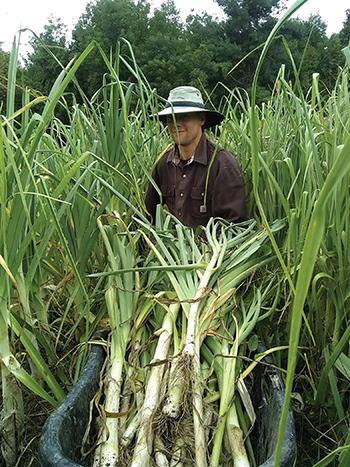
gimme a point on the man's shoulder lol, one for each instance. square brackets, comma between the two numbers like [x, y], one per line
[222, 155]
[162, 160]
[166, 155]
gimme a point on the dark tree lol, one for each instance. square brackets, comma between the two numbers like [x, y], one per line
[202, 51]
[106, 22]
[160, 57]
[344, 34]
[4, 67]
[42, 67]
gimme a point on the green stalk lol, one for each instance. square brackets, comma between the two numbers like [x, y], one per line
[227, 389]
[145, 435]
[13, 421]
[254, 133]
[235, 436]
[121, 301]
[191, 351]
[107, 452]
[227, 375]
[311, 248]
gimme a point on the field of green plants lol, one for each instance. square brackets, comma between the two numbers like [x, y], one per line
[78, 254]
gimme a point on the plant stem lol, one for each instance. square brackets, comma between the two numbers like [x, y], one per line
[144, 442]
[107, 452]
[192, 354]
[235, 436]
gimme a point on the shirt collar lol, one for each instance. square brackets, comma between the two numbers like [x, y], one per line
[200, 155]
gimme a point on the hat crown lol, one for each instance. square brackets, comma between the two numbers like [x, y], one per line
[188, 94]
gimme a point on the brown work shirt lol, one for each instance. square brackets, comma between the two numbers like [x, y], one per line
[183, 187]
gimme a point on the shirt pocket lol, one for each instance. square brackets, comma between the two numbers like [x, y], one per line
[198, 208]
[168, 195]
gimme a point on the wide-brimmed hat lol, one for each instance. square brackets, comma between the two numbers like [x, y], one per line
[185, 99]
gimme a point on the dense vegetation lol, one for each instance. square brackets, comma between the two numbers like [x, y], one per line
[202, 51]
[73, 172]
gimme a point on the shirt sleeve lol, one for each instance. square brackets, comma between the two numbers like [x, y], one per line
[229, 195]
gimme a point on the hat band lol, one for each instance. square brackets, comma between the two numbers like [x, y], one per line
[184, 104]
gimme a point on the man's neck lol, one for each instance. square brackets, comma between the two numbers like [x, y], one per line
[186, 152]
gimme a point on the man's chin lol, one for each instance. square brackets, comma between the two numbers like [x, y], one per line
[179, 141]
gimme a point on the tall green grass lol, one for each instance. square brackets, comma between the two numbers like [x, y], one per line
[57, 180]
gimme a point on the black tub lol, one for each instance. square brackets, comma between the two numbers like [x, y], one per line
[268, 398]
[63, 431]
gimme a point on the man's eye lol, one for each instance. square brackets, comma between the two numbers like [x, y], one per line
[179, 117]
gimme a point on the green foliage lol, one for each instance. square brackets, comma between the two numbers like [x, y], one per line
[49, 57]
[344, 34]
[58, 179]
[4, 66]
[201, 51]
[106, 22]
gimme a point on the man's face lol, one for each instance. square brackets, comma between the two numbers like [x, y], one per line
[187, 129]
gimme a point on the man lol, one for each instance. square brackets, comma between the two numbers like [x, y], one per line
[181, 174]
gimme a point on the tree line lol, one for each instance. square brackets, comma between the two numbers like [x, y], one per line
[201, 51]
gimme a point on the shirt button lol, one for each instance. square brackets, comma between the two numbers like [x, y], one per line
[179, 213]
[202, 194]
[184, 176]
[181, 194]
